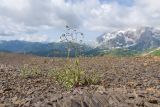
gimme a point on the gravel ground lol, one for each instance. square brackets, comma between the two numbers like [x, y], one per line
[126, 82]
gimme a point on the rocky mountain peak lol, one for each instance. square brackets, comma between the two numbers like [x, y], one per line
[144, 37]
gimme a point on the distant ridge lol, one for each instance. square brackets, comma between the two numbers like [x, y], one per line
[139, 39]
[37, 48]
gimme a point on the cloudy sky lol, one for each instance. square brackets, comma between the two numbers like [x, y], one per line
[45, 20]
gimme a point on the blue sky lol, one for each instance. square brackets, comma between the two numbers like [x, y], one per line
[45, 20]
[121, 2]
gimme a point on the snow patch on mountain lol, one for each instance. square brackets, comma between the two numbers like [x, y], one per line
[143, 37]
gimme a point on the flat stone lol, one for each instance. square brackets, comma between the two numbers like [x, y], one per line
[2, 105]
[154, 101]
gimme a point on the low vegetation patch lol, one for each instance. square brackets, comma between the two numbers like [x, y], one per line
[156, 53]
[72, 75]
[27, 71]
[121, 53]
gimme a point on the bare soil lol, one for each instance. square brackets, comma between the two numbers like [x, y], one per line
[125, 82]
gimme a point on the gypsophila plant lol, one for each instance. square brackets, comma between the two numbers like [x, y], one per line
[73, 38]
[72, 75]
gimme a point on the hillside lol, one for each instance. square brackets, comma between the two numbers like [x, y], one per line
[156, 52]
[40, 49]
[153, 52]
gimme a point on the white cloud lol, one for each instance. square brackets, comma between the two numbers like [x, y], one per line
[34, 38]
[21, 17]
[114, 16]
[9, 28]
[15, 5]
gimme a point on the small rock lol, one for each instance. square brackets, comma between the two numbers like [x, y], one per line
[2, 105]
[141, 95]
[7, 89]
[19, 102]
[153, 101]
[27, 104]
[56, 97]
[130, 101]
[1, 70]
[30, 92]
[145, 64]
[1, 91]
[77, 91]
[138, 84]
[131, 96]
[140, 102]
[158, 87]
[101, 89]
[38, 104]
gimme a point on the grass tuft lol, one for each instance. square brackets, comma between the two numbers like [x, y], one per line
[27, 71]
[73, 76]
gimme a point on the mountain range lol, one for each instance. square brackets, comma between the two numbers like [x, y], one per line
[126, 42]
[53, 49]
[134, 39]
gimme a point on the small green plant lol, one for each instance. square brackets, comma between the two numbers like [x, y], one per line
[91, 78]
[72, 75]
[27, 71]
